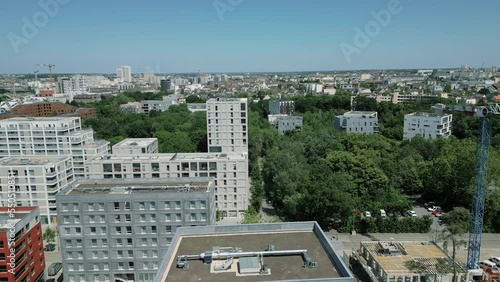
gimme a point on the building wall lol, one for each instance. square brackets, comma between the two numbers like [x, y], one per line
[141, 146]
[282, 107]
[232, 187]
[289, 124]
[357, 123]
[29, 258]
[227, 125]
[36, 185]
[50, 137]
[44, 109]
[429, 127]
[103, 235]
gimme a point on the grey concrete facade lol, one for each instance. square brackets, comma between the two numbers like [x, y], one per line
[121, 228]
[289, 123]
[282, 107]
[357, 122]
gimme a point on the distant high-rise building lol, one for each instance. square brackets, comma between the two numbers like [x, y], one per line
[166, 85]
[124, 73]
[227, 125]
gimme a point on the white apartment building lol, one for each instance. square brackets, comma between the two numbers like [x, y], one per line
[50, 136]
[232, 187]
[136, 146]
[37, 181]
[357, 122]
[227, 125]
[428, 125]
[124, 73]
[162, 105]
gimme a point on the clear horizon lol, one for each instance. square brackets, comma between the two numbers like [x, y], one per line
[240, 36]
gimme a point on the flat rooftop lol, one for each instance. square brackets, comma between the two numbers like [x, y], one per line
[174, 156]
[404, 251]
[8, 219]
[360, 114]
[133, 186]
[422, 114]
[38, 119]
[251, 238]
[136, 142]
[32, 160]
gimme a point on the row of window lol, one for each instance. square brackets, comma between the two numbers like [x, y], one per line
[118, 206]
[117, 242]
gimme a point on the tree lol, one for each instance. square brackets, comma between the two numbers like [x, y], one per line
[49, 235]
[456, 226]
[447, 88]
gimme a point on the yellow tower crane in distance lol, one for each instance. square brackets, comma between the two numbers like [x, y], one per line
[52, 84]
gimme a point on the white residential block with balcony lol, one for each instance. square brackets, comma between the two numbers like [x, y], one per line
[357, 122]
[37, 180]
[50, 136]
[428, 125]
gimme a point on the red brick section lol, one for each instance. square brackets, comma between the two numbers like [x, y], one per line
[47, 109]
[29, 257]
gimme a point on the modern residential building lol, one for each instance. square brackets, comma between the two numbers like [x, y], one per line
[131, 107]
[227, 125]
[36, 181]
[197, 107]
[232, 188]
[290, 251]
[21, 231]
[49, 109]
[50, 136]
[428, 125]
[120, 229]
[162, 105]
[357, 122]
[282, 107]
[285, 123]
[387, 262]
[136, 146]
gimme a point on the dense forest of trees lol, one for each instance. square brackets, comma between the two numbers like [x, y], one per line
[322, 174]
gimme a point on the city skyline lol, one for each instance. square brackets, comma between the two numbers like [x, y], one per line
[247, 36]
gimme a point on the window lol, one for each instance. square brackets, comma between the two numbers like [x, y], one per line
[92, 230]
[152, 205]
[153, 218]
[142, 218]
[118, 230]
[117, 218]
[127, 206]
[143, 230]
[92, 218]
[128, 218]
[94, 242]
[142, 205]
[129, 229]
[153, 229]
[119, 254]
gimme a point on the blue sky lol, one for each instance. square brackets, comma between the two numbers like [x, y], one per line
[166, 36]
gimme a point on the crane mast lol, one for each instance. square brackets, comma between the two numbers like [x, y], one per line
[480, 182]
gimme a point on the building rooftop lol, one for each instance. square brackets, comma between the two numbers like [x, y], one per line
[33, 160]
[422, 114]
[248, 241]
[9, 219]
[133, 186]
[38, 119]
[136, 142]
[392, 256]
[359, 114]
[175, 156]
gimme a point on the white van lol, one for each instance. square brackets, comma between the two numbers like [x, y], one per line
[487, 264]
[382, 213]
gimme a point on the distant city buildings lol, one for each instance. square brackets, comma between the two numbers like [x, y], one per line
[120, 229]
[428, 125]
[124, 73]
[131, 107]
[357, 122]
[162, 105]
[165, 85]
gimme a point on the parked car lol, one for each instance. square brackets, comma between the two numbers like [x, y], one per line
[439, 215]
[495, 260]
[367, 214]
[486, 264]
[429, 204]
[412, 213]
[54, 268]
[433, 208]
[383, 213]
[434, 212]
[50, 247]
